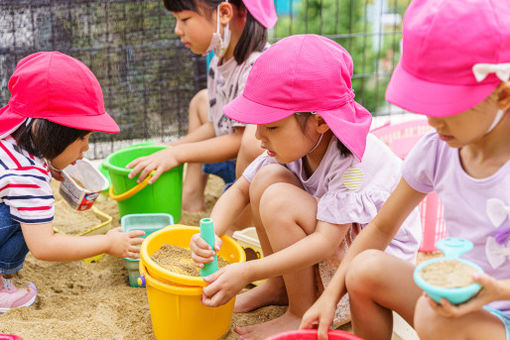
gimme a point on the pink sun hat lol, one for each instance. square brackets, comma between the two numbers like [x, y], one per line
[263, 11]
[454, 55]
[304, 73]
[56, 87]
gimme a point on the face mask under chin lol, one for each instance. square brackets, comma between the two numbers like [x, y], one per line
[219, 44]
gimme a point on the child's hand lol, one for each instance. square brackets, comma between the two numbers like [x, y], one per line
[491, 291]
[160, 161]
[201, 251]
[57, 174]
[320, 315]
[225, 284]
[124, 244]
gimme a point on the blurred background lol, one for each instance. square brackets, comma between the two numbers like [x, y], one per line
[148, 77]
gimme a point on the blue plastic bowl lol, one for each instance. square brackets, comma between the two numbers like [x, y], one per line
[454, 295]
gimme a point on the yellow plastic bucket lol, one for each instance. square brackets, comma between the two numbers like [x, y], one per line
[178, 313]
[180, 235]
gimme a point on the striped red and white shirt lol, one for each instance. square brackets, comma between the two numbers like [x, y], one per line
[25, 184]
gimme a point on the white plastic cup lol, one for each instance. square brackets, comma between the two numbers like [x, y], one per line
[82, 184]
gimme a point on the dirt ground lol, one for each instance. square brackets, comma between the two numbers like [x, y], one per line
[78, 300]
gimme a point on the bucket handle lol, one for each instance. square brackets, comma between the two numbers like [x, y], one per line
[134, 190]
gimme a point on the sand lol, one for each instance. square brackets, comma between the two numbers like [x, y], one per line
[448, 273]
[78, 300]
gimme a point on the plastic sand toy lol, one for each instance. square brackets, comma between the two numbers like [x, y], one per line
[452, 248]
[82, 184]
[207, 233]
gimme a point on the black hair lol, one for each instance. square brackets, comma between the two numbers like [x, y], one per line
[254, 35]
[302, 117]
[45, 139]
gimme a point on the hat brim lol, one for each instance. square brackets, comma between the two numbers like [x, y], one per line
[11, 120]
[434, 99]
[246, 111]
[350, 123]
[100, 123]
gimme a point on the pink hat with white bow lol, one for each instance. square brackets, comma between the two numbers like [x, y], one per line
[454, 55]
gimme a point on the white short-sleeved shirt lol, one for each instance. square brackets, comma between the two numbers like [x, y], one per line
[224, 83]
[474, 209]
[350, 191]
[25, 184]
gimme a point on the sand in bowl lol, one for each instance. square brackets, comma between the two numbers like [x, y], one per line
[178, 260]
[448, 273]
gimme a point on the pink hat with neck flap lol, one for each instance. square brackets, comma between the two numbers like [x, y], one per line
[304, 73]
[454, 55]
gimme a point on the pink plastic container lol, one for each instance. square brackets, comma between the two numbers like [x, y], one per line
[311, 334]
[401, 138]
[9, 337]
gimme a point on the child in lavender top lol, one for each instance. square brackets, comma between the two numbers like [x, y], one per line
[237, 31]
[321, 179]
[463, 86]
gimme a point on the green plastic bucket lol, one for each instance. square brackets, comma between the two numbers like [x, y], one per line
[164, 196]
[106, 173]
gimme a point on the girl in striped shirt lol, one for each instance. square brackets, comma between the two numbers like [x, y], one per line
[56, 102]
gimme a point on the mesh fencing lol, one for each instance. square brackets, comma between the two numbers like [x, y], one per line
[148, 77]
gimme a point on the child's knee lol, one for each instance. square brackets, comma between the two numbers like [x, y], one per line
[265, 177]
[199, 105]
[250, 146]
[427, 323]
[364, 271]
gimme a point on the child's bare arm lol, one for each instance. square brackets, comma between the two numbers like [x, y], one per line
[310, 250]
[225, 211]
[212, 150]
[44, 244]
[376, 235]
[205, 131]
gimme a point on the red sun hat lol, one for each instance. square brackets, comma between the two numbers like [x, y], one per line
[56, 87]
[304, 73]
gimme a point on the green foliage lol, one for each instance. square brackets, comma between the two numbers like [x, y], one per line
[345, 22]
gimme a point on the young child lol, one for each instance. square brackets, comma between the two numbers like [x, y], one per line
[455, 69]
[237, 31]
[321, 179]
[56, 103]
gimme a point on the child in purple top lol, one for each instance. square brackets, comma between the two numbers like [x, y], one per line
[455, 68]
[321, 179]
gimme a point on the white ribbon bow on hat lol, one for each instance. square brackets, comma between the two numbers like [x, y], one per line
[496, 253]
[481, 71]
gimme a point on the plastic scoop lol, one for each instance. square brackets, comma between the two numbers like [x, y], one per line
[452, 248]
[207, 233]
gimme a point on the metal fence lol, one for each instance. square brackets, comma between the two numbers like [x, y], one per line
[148, 77]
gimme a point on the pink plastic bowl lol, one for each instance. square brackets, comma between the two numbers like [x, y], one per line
[311, 334]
